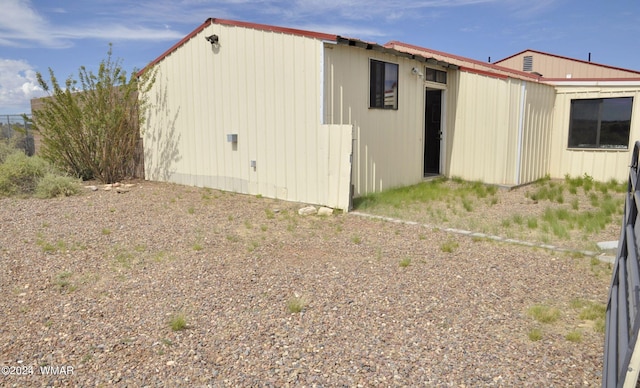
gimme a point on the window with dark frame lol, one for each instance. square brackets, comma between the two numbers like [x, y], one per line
[600, 123]
[434, 75]
[383, 85]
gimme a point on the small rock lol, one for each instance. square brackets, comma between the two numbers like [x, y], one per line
[608, 245]
[171, 363]
[92, 188]
[307, 211]
[325, 211]
[121, 190]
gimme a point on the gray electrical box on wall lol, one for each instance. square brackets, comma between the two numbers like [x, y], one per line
[232, 138]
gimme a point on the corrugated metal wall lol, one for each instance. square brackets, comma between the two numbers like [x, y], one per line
[499, 129]
[536, 134]
[266, 88]
[483, 130]
[601, 164]
[389, 144]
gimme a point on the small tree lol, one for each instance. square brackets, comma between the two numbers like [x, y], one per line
[92, 131]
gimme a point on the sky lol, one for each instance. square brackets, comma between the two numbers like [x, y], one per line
[62, 35]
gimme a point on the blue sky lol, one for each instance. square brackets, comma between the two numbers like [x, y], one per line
[65, 34]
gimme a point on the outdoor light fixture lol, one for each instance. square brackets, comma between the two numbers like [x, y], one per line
[213, 39]
[417, 72]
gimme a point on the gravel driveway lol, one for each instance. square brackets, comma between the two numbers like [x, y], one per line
[92, 282]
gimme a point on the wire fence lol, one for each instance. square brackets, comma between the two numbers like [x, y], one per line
[9, 124]
[17, 128]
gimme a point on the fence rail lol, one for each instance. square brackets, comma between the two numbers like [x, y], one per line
[621, 347]
[9, 124]
[18, 128]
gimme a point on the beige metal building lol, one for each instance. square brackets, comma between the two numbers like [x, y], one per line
[319, 118]
[556, 66]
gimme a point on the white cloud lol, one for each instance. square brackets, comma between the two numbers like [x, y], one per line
[18, 85]
[26, 27]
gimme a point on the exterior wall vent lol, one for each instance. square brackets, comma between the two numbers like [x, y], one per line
[527, 63]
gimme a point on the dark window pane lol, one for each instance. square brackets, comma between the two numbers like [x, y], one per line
[583, 130]
[434, 75]
[600, 123]
[383, 92]
[615, 122]
[376, 98]
[430, 75]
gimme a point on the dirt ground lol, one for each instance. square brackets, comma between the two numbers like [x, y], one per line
[94, 283]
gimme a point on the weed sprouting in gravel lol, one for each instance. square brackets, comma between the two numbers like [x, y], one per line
[543, 313]
[178, 322]
[253, 245]
[269, 214]
[63, 282]
[197, 246]
[449, 246]
[296, 304]
[535, 334]
[405, 262]
[573, 336]
[591, 311]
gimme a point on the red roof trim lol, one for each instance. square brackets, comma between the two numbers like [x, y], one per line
[569, 59]
[263, 27]
[483, 72]
[465, 59]
[175, 46]
[635, 79]
[266, 27]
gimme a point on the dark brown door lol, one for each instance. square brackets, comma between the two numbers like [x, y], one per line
[432, 132]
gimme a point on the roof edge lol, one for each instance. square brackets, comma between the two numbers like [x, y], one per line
[266, 27]
[570, 59]
[521, 74]
[226, 22]
[176, 46]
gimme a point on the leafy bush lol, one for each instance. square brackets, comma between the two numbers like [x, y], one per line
[51, 186]
[92, 131]
[19, 174]
[6, 149]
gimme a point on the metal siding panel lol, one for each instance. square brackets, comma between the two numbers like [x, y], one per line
[483, 148]
[602, 165]
[262, 86]
[388, 148]
[536, 142]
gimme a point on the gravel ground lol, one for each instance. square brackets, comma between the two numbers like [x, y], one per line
[91, 282]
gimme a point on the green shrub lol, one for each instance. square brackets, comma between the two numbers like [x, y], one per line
[6, 149]
[51, 186]
[19, 174]
[93, 133]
